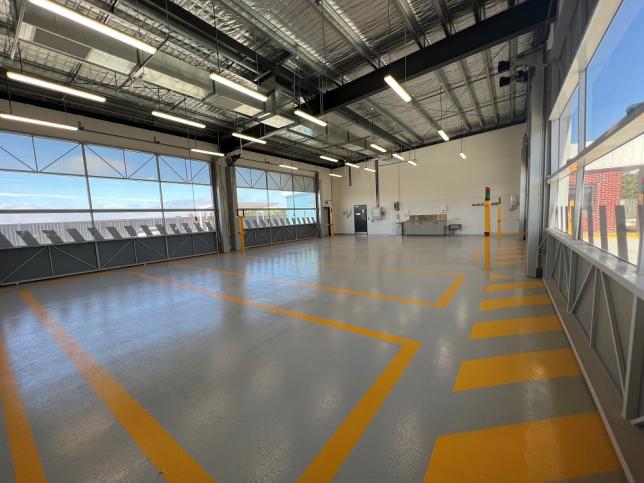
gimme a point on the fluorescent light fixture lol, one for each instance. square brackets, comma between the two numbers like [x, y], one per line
[351, 164]
[180, 120]
[398, 89]
[413, 163]
[94, 25]
[238, 87]
[34, 81]
[398, 156]
[327, 158]
[335, 175]
[29, 120]
[308, 117]
[203, 151]
[370, 170]
[248, 138]
[378, 148]
[288, 167]
[462, 155]
[443, 134]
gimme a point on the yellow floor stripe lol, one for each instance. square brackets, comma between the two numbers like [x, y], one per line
[509, 258]
[518, 301]
[172, 461]
[27, 467]
[500, 276]
[535, 451]
[502, 287]
[442, 302]
[475, 256]
[330, 458]
[524, 325]
[526, 366]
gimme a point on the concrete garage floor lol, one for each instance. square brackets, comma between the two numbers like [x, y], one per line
[359, 359]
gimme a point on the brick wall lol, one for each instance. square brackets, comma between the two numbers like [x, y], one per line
[607, 192]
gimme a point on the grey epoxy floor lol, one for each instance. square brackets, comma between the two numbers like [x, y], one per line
[253, 392]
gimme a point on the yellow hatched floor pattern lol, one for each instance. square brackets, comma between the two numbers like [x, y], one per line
[561, 448]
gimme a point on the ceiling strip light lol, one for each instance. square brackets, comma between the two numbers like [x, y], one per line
[29, 120]
[248, 138]
[35, 81]
[351, 164]
[327, 158]
[378, 148]
[370, 170]
[180, 120]
[398, 156]
[413, 163]
[238, 87]
[443, 134]
[308, 117]
[203, 151]
[335, 175]
[288, 167]
[94, 25]
[397, 88]
[462, 155]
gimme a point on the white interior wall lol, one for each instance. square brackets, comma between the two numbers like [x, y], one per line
[441, 178]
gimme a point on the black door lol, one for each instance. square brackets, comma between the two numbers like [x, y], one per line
[326, 221]
[360, 218]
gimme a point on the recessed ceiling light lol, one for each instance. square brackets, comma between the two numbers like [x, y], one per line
[308, 117]
[52, 86]
[413, 163]
[378, 148]
[248, 138]
[327, 158]
[180, 120]
[352, 165]
[288, 167]
[398, 156]
[370, 170]
[203, 151]
[238, 87]
[462, 155]
[443, 134]
[29, 120]
[93, 24]
[398, 89]
[335, 175]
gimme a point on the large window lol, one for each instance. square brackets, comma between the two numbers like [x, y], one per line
[569, 129]
[271, 198]
[53, 188]
[610, 206]
[563, 192]
[615, 75]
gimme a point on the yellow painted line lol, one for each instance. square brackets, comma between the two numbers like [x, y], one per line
[27, 467]
[501, 287]
[523, 325]
[518, 301]
[500, 276]
[506, 258]
[536, 451]
[513, 368]
[172, 461]
[335, 451]
[442, 302]
[475, 256]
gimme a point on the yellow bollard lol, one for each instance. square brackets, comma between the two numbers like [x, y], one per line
[242, 239]
[498, 221]
[486, 233]
[571, 205]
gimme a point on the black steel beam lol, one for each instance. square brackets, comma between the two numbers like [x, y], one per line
[499, 28]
